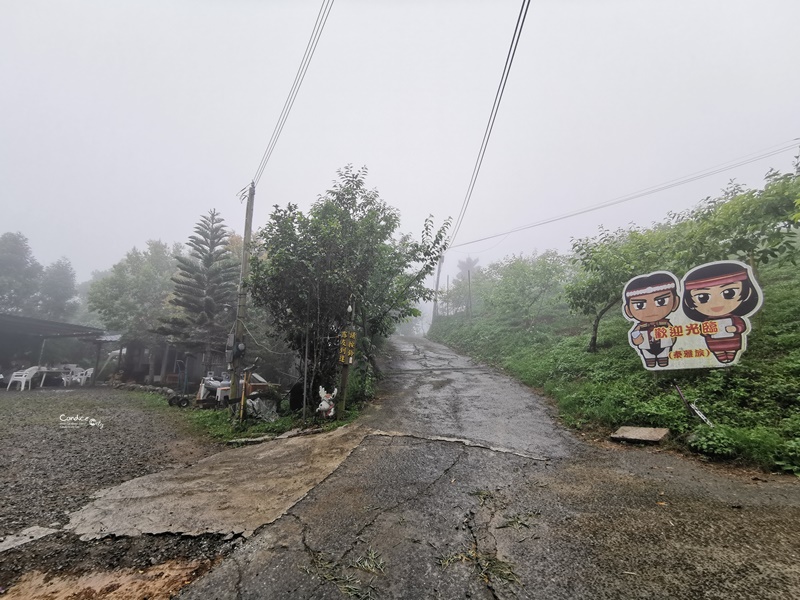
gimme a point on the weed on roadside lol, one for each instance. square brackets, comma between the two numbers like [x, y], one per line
[517, 521]
[483, 496]
[348, 584]
[489, 567]
[371, 562]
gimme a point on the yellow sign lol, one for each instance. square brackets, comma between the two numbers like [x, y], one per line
[347, 347]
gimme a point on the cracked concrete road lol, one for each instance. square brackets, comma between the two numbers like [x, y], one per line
[447, 496]
[233, 492]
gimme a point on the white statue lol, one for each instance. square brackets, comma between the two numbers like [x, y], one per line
[326, 407]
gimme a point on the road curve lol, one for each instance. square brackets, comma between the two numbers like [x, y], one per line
[448, 496]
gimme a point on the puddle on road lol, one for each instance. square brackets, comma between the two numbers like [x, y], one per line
[158, 582]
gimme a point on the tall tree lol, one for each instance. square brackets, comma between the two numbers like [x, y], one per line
[19, 275]
[57, 298]
[754, 226]
[308, 269]
[205, 289]
[522, 287]
[460, 295]
[133, 298]
[606, 262]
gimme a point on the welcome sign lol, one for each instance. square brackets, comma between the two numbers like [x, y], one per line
[698, 322]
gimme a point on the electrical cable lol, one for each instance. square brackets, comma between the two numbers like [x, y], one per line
[311, 46]
[262, 346]
[523, 13]
[635, 195]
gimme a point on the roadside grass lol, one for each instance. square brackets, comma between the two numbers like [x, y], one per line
[489, 568]
[221, 427]
[371, 562]
[755, 405]
[349, 585]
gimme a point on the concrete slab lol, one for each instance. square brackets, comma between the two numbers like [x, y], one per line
[233, 492]
[646, 435]
[26, 535]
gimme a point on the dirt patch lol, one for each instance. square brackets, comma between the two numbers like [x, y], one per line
[161, 581]
[60, 446]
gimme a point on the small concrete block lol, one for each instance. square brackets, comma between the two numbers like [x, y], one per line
[648, 435]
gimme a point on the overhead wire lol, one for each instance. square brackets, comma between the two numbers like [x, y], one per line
[640, 194]
[311, 46]
[523, 12]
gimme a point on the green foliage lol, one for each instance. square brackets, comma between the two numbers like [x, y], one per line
[754, 226]
[19, 275]
[714, 441]
[30, 290]
[57, 292]
[309, 269]
[789, 458]
[132, 297]
[754, 405]
[606, 262]
[204, 287]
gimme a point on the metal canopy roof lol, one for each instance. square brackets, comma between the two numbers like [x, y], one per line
[16, 325]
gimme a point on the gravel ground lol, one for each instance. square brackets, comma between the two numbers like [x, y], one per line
[51, 463]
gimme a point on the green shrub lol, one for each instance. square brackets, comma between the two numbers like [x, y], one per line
[713, 441]
[789, 457]
[755, 405]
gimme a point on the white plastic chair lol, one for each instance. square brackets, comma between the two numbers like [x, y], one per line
[23, 377]
[74, 376]
[86, 376]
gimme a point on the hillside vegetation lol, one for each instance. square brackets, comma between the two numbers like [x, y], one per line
[555, 322]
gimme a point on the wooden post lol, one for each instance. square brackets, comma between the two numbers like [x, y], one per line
[41, 351]
[305, 375]
[96, 372]
[340, 406]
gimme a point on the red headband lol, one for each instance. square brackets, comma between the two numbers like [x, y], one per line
[718, 280]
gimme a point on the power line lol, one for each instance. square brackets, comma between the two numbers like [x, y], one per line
[523, 12]
[319, 25]
[640, 194]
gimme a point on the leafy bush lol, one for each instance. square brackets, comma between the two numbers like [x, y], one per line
[755, 405]
[714, 441]
[789, 457]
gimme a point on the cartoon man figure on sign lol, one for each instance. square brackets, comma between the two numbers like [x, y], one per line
[647, 301]
[720, 296]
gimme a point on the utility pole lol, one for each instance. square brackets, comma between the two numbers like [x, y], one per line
[436, 295]
[469, 291]
[237, 345]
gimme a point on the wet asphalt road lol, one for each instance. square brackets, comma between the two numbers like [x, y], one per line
[469, 489]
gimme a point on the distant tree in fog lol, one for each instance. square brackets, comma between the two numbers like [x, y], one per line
[57, 292]
[19, 275]
[133, 297]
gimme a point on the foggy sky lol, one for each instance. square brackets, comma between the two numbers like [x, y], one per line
[126, 121]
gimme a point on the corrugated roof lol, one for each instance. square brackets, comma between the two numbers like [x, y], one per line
[16, 325]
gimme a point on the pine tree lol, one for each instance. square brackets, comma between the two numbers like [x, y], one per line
[205, 287]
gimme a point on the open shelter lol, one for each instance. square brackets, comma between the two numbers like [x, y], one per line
[17, 331]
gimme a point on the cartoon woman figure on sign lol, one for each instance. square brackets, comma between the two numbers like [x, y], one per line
[720, 296]
[648, 300]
